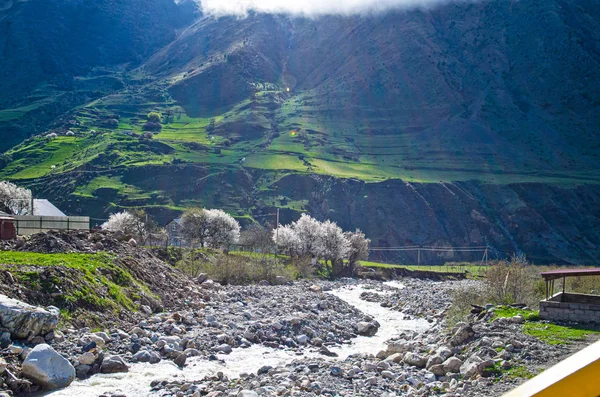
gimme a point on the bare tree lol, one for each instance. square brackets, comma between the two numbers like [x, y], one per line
[257, 237]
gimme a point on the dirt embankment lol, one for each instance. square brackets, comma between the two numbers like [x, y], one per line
[94, 278]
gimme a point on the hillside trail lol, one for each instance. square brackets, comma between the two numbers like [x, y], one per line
[137, 381]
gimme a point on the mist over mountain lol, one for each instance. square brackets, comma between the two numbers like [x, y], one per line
[464, 101]
[311, 8]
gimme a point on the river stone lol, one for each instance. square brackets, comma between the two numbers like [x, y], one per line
[437, 369]
[433, 360]
[145, 356]
[180, 360]
[247, 393]
[24, 321]
[398, 347]
[366, 329]
[453, 365]
[224, 348]
[415, 359]
[45, 367]
[470, 367]
[113, 364]
[461, 335]
[87, 358]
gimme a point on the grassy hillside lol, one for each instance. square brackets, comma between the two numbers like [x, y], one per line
[411, 95]
[488, 107]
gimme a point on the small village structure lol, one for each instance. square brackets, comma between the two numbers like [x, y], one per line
[7, 226]
[47, 217]
[566, 306]
[174, 230]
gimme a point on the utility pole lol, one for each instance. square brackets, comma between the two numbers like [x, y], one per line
[277, 235]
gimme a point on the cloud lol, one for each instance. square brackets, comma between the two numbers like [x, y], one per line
[309, 7]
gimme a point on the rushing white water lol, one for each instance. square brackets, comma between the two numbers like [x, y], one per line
[136, 382]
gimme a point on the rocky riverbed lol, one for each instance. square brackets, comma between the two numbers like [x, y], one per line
[351, 337]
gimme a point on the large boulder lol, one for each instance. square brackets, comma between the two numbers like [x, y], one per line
[415, 359]
[367, 328]
[470, 367]
[113, 364]
[25, 321]
[453, 365]
[48, 369]
[461, 335]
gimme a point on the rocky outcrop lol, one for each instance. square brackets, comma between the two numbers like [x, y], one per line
[48, 369]
[25, 321]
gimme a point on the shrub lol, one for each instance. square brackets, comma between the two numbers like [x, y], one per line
[152, 126]
[110, 123]
[236, 269]
[510, 282]
[155, 117]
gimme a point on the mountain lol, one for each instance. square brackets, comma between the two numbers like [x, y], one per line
[489, 108]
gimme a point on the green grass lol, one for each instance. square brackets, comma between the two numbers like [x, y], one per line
[508, 312]
[114, 182]
[93, 269]
[514, 372]
[86, 262]
[554, 334]
[471, 269]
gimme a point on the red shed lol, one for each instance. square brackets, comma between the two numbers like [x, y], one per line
[7, 228]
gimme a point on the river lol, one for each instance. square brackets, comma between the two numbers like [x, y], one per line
[136, 382]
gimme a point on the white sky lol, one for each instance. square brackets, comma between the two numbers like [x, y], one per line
[309, 7]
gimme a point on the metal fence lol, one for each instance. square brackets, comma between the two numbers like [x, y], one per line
[35, 224]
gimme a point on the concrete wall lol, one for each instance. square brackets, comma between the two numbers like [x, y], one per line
[35, 224]
[573, 307]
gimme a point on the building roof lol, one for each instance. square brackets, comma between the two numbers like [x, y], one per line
[176, 220]
[43, 207]
[560, 273]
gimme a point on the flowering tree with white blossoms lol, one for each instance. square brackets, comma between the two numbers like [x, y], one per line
[223, 229]
[14, 200]
[322, 240]
[128, 223]
[212, 228]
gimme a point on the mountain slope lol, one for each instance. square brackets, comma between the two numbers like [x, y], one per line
[484, 101]
[45, 45]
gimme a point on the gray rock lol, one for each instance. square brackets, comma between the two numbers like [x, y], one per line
[247, 393]
[48, 369]
[470, 367]
[433, 360]
[461, 335]
[180, 360]
[453, 365]
[24, 321]
[113, 364]
[415, 359]
[145, 356]
[224, 348]
[518, 319]
[437, 369]
[87, 358]
[367, 329]
[388, 374]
